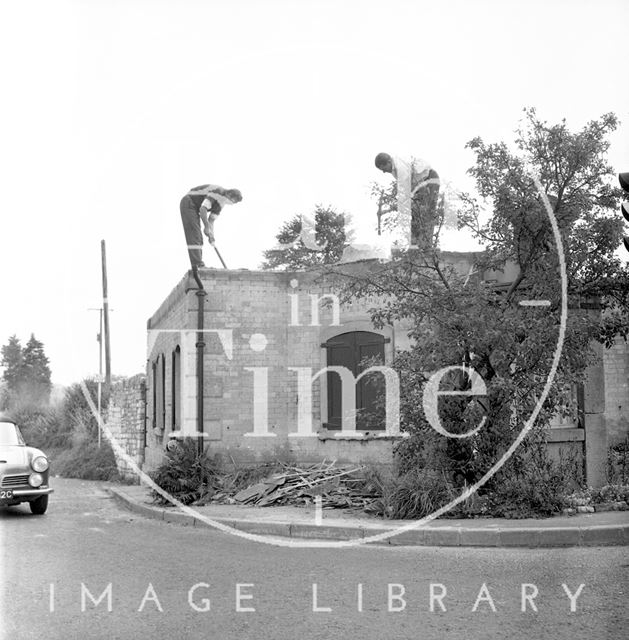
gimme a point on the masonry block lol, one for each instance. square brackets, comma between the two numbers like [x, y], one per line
[213, 386]
[413, 537]
[605, 535]
[595, 449]
[480, 537]
[213, 429]
[510, 537]
[299, 530]
[594, 389]
[560, 537]
[442, 537]
[214, 302]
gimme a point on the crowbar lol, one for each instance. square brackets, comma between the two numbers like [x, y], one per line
[220, 257]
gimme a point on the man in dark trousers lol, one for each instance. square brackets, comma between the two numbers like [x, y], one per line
[201, 206]
[417, 195]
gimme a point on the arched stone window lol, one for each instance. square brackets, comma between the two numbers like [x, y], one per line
[176, 389]
[350, 350]
[154, 395]
[163, 392]
[160, 393]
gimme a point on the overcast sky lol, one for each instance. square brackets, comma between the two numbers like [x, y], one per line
[112, 109]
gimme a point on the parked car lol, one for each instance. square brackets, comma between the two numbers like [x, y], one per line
[23, 470]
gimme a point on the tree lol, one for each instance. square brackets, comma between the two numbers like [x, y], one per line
[12, 361]
[26, 372]
[36, 369]
[578, 182]
[330, 229]
[458, 320]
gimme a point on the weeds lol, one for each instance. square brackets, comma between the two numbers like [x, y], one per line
[186, 474]
[618, 463]
[86, 461]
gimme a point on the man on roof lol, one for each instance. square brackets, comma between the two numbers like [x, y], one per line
[199, 209]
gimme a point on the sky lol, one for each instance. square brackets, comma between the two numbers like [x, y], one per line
[112, 109]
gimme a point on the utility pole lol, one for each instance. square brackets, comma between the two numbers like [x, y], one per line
[100, 372]
[106, 316]
[99, 338]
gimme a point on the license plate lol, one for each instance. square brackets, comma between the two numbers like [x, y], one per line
[6, 494]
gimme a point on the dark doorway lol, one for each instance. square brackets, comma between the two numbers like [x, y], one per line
[349, 350]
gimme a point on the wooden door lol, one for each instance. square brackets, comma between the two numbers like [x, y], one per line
[349, 350]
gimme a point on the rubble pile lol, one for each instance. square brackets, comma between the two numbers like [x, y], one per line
[338, 486]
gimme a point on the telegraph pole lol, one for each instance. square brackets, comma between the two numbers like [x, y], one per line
[106, 316]
[100, 372]
[99, 339]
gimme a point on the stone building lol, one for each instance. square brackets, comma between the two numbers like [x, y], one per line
[272, 332]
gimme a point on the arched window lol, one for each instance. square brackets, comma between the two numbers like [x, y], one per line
[176, 389]
[154, 394]
[160, 393]
[163, 393]
[350, 350]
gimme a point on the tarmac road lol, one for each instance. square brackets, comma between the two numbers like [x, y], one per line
[152, 568]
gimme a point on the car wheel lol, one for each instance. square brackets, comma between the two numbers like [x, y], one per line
[39, 506]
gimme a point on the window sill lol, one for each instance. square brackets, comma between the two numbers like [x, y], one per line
[361, 436]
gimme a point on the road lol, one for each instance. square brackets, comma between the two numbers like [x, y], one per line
[86, 546]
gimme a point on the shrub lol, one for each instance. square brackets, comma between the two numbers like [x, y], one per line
[590, 496]
[580, 498]
[530, 484]
[523, 497]
[186, 474]
[75, 410]
[612, 493]
[414, 494]
[86, 461]
[618, 463]
[42, 427]
[429, 475]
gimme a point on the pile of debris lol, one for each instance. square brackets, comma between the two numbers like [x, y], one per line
[338, 487]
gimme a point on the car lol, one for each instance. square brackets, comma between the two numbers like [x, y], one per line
[23, 470]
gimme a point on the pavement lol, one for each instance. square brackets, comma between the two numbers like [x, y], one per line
[591, 529]
[91, 570]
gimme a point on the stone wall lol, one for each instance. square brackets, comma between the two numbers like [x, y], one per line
[165, 337]
[270, 322]
[616, 364]
[260, 324]
[126, 422]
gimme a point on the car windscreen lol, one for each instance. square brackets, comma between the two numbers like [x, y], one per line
[10, 434]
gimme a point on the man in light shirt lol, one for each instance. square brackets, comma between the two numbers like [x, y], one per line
[417, 196]
[201, 206]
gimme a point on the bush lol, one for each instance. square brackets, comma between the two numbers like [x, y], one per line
[618, 463]
[612, 493]
[414, 494]
[429, 476]
[589, 496]
[523, 497]
[86, 461]
[76, 412]
[186, 475]
[42, 427]
[531, 485]
[580, 498]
